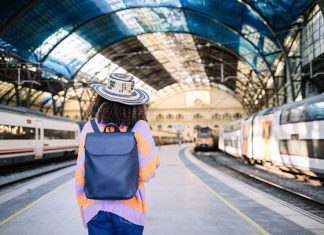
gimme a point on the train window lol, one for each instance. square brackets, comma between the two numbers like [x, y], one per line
[232, 142]
[309, 148]
[11, 132]
[204, 135]
[316, 110]
[232, 127]
[284, 117]
[296, 114]
[39, 133]
[303, 113]
[50, 134]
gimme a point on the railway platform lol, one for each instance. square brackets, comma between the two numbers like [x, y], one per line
[186, 197]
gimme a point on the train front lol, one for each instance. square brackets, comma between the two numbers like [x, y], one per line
[204, 141]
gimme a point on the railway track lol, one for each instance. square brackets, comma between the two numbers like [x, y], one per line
[11, 176]
[293, 197]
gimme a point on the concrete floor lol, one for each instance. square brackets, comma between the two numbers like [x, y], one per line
[187, 197]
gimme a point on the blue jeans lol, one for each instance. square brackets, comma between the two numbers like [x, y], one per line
[106, 223]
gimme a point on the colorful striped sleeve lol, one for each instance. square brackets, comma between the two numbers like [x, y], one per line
[149, 159]
[79, 172]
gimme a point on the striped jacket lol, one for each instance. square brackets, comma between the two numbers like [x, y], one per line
[135, 208]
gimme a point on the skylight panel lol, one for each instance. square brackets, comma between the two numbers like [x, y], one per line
[142, 20]
[50, 42]
[73, 51]
[176, 52]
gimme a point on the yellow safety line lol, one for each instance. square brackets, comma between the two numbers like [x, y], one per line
[31, 205]
[232, 207]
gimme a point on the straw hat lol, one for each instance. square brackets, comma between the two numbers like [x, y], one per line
[120, 88]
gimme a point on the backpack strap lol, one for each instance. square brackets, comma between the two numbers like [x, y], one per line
[94, 126]
[129, 129]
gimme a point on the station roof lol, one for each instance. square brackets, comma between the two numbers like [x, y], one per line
[161, 42]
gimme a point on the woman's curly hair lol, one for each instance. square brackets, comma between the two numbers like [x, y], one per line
[121, 114]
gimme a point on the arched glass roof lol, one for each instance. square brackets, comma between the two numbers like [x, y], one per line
[165, 44]
[40, 31]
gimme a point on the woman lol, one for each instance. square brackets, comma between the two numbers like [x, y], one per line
[120, 103]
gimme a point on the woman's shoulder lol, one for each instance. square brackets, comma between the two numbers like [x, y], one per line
[87, 127]
[141, 126]
[142, 132]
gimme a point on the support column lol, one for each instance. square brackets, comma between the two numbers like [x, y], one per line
[31, 85]
[321, 4]
[63, 103]
[51, 90]
[17, 95]
[80, 102]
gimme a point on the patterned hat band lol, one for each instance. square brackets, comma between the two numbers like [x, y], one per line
[120, 88]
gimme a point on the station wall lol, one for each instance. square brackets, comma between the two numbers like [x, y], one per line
[181, 112]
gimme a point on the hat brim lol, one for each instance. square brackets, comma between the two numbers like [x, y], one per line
[137, 97]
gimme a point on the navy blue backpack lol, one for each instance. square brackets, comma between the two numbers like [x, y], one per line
[111, 164]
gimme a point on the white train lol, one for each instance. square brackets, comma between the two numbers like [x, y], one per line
[27, 135]
[290, 136]
[163, 137]
[230, 139]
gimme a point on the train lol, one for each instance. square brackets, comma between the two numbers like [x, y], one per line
[290, 136]
[206, 140]
[27, 135]
[163, 137]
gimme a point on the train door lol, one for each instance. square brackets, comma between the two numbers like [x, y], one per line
[266, 136]
[39, 139]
